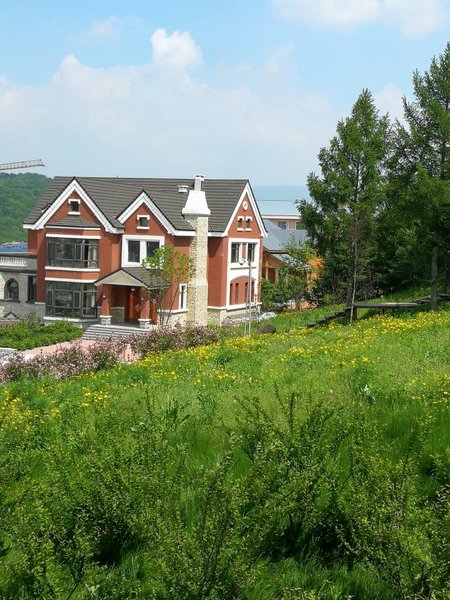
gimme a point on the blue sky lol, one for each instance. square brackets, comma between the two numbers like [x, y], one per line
[172, 88]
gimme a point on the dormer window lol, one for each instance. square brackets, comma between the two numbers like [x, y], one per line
[74, 206]
[143, 221]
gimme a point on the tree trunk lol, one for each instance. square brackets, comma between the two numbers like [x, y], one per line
[447, 273]
[351, 280]
[434, 272]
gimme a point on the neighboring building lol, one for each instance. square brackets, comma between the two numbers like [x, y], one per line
[89, 235]
[274, 252]
[18, 275]
[283, 214]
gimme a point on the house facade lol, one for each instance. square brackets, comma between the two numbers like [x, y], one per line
[89, 236]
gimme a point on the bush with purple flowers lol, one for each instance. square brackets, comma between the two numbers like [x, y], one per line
[64, 363]
[178, 338]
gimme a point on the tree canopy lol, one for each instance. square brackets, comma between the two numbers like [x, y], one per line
[18, 195]
[347, 194]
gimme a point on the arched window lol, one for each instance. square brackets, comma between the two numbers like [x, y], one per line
[12, 290]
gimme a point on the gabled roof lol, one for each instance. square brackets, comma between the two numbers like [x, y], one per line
[133, 276]
[278, 238]
[112, 196]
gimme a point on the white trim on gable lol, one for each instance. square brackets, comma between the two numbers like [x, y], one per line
[247, 191]
[73, 186]
[144, 199]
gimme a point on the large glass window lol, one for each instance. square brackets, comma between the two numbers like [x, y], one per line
[70, 300]
[140, 249]
[134, 251]
[72, 253]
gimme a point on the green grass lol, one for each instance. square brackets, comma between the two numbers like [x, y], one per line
[28, 334]
[306, 464]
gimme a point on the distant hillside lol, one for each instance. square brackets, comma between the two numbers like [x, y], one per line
[18, 194]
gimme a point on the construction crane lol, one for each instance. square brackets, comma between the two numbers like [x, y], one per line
[21, 165]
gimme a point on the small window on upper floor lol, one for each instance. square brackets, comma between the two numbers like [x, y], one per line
[74, 206]
[282, 224]
[143, 221]
[240, 223]
[248, 223]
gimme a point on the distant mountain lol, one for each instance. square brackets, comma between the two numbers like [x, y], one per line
[280, 192]
[18, 195]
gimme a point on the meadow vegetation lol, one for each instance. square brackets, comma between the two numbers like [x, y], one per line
[31, 334]
[309, 464]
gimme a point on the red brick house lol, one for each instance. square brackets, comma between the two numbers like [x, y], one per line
[90, 235]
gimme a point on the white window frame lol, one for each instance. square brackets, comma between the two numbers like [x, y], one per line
[182, 296]
[240, 223]
[248, 223]
[143, 239]
[73, 200]
[139, 217]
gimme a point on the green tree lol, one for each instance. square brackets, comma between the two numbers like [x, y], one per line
[346, 198]
[168, 267]
[422, 163]
[296, 275]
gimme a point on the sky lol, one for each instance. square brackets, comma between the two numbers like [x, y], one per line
[172, 88]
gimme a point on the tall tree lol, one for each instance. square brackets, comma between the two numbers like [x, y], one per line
[347, 194]
[422, 161]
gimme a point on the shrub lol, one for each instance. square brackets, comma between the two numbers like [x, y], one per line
[30, 334]
[63, 363]
[177, 338]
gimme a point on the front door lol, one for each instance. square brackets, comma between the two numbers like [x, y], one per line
[133, 305]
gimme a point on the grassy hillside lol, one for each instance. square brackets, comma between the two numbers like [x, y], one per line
[18, 194]
[309, 464]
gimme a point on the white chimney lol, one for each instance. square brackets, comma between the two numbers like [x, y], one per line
[196, 204]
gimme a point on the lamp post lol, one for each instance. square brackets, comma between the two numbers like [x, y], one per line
[248, 299]
[249, 295]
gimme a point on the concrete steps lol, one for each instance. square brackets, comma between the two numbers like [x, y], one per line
[111, 332]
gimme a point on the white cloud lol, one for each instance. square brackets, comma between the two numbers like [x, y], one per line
[413, 17]
[177, 50]
[389, 100]
[104, 30]
[330, 13]
[148, 121]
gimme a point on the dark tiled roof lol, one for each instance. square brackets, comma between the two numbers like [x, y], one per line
[142, 274]
[113, 195]
[277, 238]
[74, 221]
